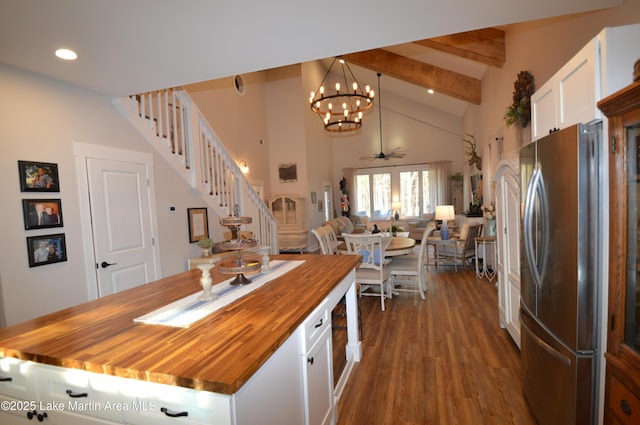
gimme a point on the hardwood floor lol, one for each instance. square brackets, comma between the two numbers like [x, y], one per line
[443, 360]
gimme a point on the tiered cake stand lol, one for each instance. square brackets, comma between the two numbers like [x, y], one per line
[237, 266]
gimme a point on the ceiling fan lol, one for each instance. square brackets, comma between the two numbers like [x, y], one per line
[382, 155]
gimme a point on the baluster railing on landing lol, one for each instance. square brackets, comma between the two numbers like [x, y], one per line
[172, 123]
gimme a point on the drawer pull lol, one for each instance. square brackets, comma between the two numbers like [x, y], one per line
[319, 324]
[71, 394]
[6, 379]
[31, 414]
[171, 414]
[42, 416]
[310, 360]
[624, 405]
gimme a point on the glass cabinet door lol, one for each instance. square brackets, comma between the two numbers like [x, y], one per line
[632, 316]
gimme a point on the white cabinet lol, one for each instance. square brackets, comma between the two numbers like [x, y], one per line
[508, 246]
[17, 392]
[80, 393]
[317, 364]
[157, 404]
[600, 68]
[289, 212]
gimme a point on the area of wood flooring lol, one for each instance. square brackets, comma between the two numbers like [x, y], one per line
[443, 360]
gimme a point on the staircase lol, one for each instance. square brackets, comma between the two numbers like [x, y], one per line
[172, 123]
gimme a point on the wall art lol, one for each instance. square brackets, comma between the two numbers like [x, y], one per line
[288, 173]
[46, 249]
[198, 224]
[38, 176]
[41, 213]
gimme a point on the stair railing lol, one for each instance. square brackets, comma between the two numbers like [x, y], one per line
[173, 124]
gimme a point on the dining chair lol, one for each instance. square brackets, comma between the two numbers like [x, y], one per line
[327, 239]
[329, 246]
[408, 271]
[372, 273]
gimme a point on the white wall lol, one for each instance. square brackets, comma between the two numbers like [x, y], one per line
[41, 119]
[540, 47]
[238, 120]
[319, 148]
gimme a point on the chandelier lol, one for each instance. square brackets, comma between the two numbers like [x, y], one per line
[341, 110]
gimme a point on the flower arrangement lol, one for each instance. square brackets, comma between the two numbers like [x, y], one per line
[489, 211]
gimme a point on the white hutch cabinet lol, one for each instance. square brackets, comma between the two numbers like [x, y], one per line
[289, 211]
[508, 245]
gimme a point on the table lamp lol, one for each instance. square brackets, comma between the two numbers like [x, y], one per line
[445, 213]
[396, 205]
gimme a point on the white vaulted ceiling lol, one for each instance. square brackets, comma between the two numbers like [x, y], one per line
[132, 46]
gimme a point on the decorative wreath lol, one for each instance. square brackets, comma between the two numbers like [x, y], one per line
[520, 110]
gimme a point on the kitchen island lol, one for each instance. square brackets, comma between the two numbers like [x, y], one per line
[247, 362]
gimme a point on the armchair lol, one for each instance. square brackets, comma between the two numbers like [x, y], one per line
[465, 247]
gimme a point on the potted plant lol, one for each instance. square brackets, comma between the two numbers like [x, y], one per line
[520, 110]
[205, 244]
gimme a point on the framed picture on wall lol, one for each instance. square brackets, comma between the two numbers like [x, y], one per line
[46, 249]
[288, 173]
[41, 213]
[198, 224]
[38, 176]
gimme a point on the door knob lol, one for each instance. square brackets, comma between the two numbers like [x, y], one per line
[104, 264]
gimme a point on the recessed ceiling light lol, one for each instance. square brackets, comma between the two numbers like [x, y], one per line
[430, 91]
[66, 54]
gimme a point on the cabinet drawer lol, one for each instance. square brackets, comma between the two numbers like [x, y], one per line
[15, 411]
[315, 324]
[159, 404]
[17, 379]
[81, 392]
[622, 402]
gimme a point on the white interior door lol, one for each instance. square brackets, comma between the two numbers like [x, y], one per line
[122, 224]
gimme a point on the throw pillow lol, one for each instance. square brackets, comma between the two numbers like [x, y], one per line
[365, 256]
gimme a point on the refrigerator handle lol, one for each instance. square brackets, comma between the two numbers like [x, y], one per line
[536, 192]
[527, 226]
[546, 347]
[544, 224]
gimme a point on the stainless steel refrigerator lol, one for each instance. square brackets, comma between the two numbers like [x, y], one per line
[559, 274]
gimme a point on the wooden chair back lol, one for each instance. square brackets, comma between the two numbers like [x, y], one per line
[327, 240]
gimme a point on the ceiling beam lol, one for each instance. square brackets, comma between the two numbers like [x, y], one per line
[441, 80]
[485, 46]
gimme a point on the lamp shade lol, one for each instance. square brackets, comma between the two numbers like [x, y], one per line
[445, 212]
[396, 205]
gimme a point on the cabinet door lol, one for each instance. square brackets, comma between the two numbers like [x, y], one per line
[500, 246]
[543, 110]
[14, 411]
[508, 240]
[85, 393]
[17, 379]
[623, 337]
[318, 375]
[157, 404]
[578, 87]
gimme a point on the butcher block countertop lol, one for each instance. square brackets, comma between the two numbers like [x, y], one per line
[218, 353]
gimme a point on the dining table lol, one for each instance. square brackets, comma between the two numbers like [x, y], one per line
[398, 245]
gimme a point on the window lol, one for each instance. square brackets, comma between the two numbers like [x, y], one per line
[418, 188]
[410, 193]
[363, 195]
[382, 195]
[327, 202]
